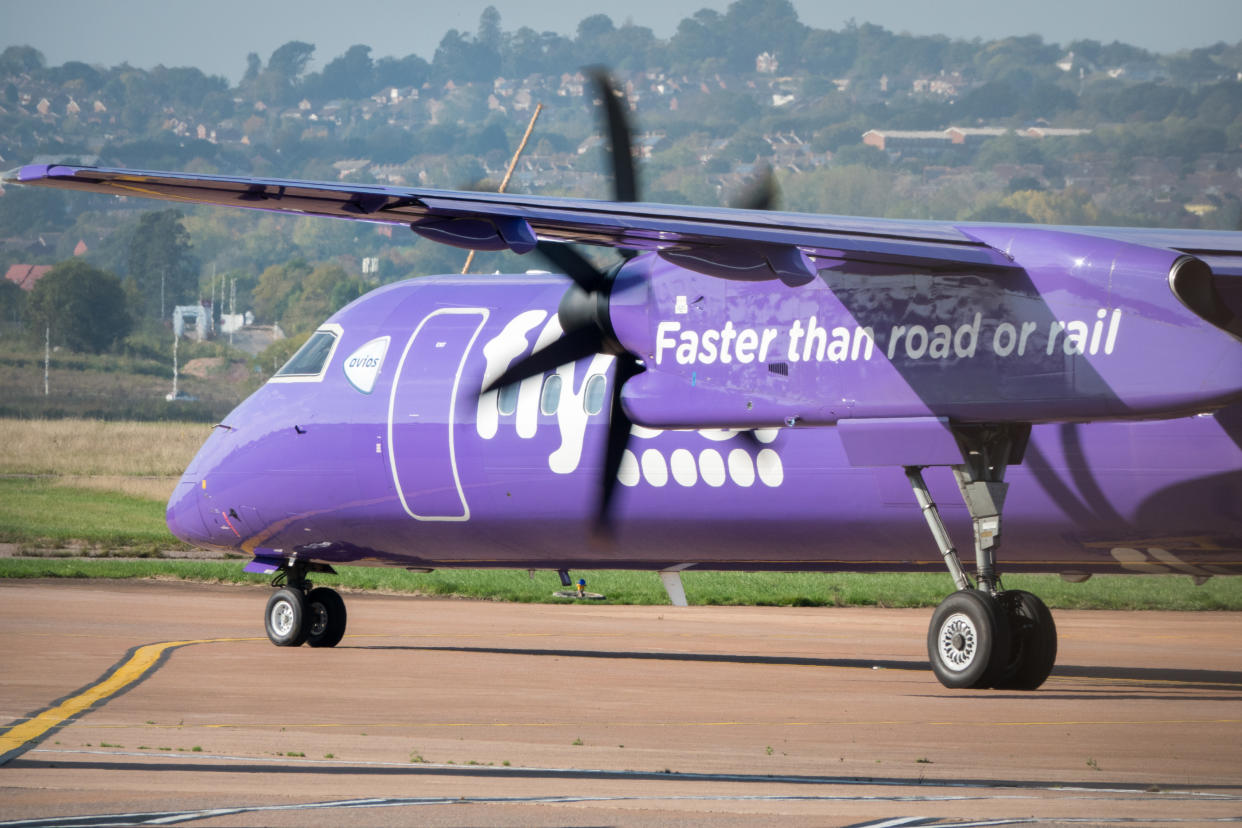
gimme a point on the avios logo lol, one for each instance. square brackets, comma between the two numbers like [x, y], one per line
[362, 367]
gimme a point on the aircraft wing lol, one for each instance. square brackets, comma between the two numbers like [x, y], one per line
[713, 238]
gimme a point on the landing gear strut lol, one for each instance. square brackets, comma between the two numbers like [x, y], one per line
[982, 635]
[300, 613]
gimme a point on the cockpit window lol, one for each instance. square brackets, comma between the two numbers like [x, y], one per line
[311, 359]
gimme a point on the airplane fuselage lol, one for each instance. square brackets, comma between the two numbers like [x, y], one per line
[389, 453]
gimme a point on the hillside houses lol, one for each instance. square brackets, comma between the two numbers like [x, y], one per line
[904, 141]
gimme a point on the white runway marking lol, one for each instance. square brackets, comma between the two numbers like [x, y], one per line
[177, 817]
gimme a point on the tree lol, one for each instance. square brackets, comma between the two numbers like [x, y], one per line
[254, 65]
[489, 35]
[279, 82]
[299, 297]
[995, 99]
[289, 60]
[352, 75]
[696, 40]
[161, 264]
[862, 155]
[754, 26]
[852, 190]
[459, 57]
[277, 287]
[999, 212]
[12, 304]
[18, 60]
[83, 306]
[25, 210]
[410, 70]
[324, 291]
[746, 146]
[1072, 206]
[594, 27]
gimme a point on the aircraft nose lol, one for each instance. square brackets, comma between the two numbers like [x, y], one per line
[183, 515]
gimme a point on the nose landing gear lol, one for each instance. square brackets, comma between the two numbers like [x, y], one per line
[300, 613]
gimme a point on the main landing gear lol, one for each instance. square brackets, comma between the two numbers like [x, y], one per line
[983, 635]
[300, 613]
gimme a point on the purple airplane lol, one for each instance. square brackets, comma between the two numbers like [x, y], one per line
[745, 390]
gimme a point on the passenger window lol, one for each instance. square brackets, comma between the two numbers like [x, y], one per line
[506, 401]
[312, 357]
[551, 397]
[593, 399]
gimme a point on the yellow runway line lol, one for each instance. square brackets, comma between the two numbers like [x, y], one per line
[134, 667]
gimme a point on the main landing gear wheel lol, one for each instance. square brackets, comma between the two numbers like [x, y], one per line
[968, 640]
[285, 618]
[1033, 641]
[325, 617]
[984, 637]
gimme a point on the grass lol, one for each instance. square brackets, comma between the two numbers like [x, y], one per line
[68, 482]
[41, 511]
[90, 448]
[806, 589]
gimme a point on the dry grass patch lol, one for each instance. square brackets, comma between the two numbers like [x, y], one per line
[149, 488]
[97, 448]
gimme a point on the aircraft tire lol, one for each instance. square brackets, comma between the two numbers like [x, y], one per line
[325, 617]
[285, 617]
[1033, 641]
[968, 640]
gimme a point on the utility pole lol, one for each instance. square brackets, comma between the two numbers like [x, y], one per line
[213, 297]
[173, 395]
[47, 356]
[232, 308]
[509, 172]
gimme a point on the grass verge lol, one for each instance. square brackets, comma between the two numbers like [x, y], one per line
[41, 511]
[810, 589]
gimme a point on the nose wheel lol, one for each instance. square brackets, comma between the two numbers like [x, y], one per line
[326, 617]
[285, 618]
[298, 614]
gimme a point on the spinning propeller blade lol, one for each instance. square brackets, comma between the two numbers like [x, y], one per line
[624, 176]
[760, 195]
[583, 312]
[571, 347]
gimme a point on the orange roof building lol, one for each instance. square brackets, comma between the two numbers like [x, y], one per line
[25, 276]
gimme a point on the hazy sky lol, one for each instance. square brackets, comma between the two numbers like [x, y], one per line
[216, 35]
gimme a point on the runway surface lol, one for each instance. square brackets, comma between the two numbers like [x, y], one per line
[439, 712]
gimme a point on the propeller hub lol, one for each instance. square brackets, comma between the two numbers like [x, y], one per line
[580, 308]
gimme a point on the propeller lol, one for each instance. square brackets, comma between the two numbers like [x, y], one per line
[624, 176]
[760, 195]
[583, 314]
[583, 310]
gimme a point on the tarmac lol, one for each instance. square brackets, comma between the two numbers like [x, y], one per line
[164, 703]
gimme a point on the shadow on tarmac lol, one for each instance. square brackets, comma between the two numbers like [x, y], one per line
[1149, 678]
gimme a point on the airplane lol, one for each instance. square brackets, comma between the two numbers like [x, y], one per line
[745, 389]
